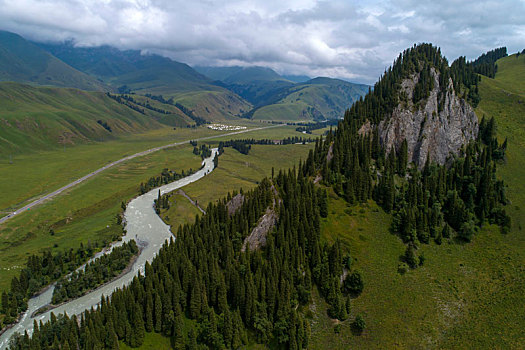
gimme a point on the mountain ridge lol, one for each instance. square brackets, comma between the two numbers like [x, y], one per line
[146, 73]
[23, 61]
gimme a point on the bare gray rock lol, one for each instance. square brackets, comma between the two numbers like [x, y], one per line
[429, 133]
[267, 222]
[330, 153]
[257, 237]
[234, 204]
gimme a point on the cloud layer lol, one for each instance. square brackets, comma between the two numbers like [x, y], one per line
[355, 40]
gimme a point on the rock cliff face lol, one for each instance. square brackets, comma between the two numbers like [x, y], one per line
[429, 133]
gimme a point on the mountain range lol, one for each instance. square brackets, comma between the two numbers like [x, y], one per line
[275, 97]
[211, 93]
[23, 61]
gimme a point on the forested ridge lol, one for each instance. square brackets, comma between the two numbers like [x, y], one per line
[451, 200]
[204, 292]
[201, 289]
[486, 63]
[420, 59]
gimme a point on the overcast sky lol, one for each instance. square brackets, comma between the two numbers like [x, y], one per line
[354, 40]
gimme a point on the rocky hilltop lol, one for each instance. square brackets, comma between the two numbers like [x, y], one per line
[431, 130]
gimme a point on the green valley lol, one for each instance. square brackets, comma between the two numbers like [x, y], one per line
[48, 118]
[133, 71]
[254, 197]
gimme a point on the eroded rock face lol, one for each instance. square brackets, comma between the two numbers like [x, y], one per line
[234, 204]
[429, 133]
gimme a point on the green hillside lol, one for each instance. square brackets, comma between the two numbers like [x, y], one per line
[46, 117]
[277, 98]
[289, 111]
[130, 67]
[23, 61]
[465, 295]
[504, 99]
[131, 70]
[213, 105]
[317, 99]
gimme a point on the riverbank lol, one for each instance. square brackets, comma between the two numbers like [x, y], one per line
[50, 307]
[144, 226]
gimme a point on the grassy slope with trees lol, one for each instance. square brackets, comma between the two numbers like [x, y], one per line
[47, 118]
[464, 293]
[131, 70]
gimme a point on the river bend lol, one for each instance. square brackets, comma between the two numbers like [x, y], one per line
[144, 226]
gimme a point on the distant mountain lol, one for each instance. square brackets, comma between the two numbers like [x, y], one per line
[277, 98]
[316, 99]
[131, 70]
[23, 61]
[38, 118]
[297, 78]
[258, 85]
[240, 75]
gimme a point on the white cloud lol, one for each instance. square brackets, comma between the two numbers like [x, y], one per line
[339, 38]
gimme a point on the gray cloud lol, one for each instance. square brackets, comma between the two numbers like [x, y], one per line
[355, 40]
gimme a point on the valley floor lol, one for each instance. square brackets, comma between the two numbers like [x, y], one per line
[87, 212]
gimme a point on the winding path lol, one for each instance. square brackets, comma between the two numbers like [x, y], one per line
[144, 226]
[140, 154]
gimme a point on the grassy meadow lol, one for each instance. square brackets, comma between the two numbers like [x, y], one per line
[181, 212]
[237, 170]
[26, 176]
[86, 212]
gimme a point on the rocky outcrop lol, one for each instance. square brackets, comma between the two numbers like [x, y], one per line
[267, 222]
[257, 237]
[429, 132]
[234, 204]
